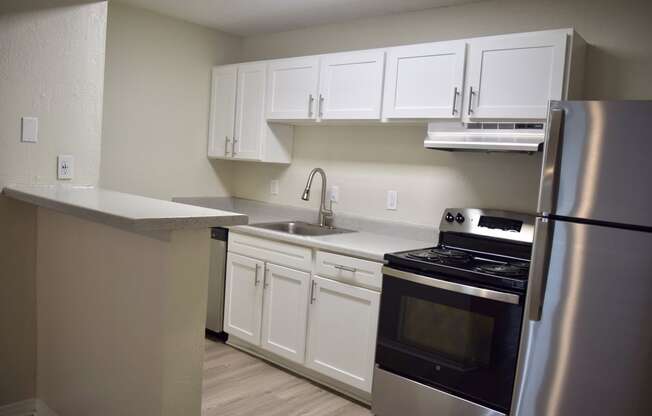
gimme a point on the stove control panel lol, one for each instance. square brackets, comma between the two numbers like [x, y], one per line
[504, 225]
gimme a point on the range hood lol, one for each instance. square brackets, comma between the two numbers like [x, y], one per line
[485, 137]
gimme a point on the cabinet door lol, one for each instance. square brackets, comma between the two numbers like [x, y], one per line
[342, 332]
[243, 298]
[285, 312]
[222, 115]
[424, 81]
[250, 125]
[351, 85]
[292, 88]
[514, 76]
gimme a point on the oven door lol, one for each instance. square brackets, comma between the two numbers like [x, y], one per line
[455, 337]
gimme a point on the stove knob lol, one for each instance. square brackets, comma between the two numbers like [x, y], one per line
[459, 218]
[449, 217]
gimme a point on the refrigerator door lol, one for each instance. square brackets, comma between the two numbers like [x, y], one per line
[597, 161]
[590, 351]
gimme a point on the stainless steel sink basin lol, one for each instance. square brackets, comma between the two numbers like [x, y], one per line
[301, 228]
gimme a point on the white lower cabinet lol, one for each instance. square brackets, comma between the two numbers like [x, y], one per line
[285, 312]
[342, 326]
[327, 325]
[243, 297]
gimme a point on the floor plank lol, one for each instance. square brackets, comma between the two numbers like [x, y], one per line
[238, 384]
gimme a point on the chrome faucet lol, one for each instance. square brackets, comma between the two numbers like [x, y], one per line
[325, 214]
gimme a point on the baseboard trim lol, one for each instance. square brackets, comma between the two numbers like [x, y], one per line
[29, 407]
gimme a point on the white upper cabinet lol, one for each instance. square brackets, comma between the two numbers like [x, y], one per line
[238, 128]
[508, 78]
[285, 312]
[243, 297]
[222, 116]
[351, 85]
[424, 81]
[514, 76]
[292, 88]
[250, 121]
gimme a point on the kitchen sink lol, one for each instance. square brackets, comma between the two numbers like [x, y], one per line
[301, 228]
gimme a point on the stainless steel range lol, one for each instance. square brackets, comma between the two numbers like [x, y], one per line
[450, 318]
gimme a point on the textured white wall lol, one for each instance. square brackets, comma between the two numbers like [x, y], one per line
[156, 105]
[367, 161]
[51, 67]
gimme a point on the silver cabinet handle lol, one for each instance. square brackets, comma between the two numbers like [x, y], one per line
[256, 281]
[226, 145]
[311, 99]
[321, 104]
[539, 268]
[265, 284]
[233, 146]
[550, 171]
[456, 92]
[312, 292]
[471, 94]
[453, 287]
[346, 268]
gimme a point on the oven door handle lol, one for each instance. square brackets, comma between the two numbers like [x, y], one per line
[453, 287]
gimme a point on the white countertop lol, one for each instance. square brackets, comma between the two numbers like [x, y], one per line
[360, 244]
[122, 210]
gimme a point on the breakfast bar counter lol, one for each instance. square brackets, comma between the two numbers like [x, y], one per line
[120, 299]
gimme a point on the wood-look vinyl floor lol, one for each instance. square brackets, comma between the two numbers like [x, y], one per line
[238, 384]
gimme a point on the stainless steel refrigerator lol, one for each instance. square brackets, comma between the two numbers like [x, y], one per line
[586, 346]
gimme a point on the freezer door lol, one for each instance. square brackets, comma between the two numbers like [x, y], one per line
[597, 162]
[590, 353]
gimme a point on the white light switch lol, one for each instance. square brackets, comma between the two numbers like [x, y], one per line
[334, 194]
[273, 187]
[29, 130]
[392, 200]
[65, 167]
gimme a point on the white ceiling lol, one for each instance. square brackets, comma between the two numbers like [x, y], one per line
[249, 17]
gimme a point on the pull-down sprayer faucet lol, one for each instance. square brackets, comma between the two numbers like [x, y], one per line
[325, 214]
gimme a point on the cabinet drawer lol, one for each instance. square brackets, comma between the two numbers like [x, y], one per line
[283, 254]
[350, 270]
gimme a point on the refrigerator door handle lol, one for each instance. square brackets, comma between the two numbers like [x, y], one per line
[539, 268]
[550, 171]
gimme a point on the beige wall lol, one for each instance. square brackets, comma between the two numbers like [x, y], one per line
[17, 301]
[367, 161]
[51, 67]
[156, 105]
[120, 318]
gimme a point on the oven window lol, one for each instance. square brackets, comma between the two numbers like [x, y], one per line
[454, 334]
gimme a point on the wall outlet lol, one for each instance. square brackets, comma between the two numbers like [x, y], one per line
[65, 167]
[392, 200]
[29, 130]
[273, 187]
[334, 194]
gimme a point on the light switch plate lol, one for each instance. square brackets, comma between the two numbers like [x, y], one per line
[65, 167]
[29, 130]
[273, 187]
[392, 200]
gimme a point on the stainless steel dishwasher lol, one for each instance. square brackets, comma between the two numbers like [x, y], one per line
[216, 280]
